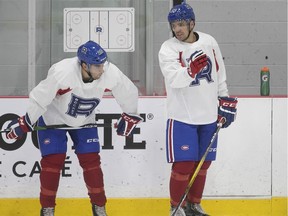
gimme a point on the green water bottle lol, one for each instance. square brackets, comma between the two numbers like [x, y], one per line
[265, 81]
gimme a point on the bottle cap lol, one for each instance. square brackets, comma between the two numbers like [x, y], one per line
[265, 69]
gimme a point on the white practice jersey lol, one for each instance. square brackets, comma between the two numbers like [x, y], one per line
[63, 97]
[192, 100]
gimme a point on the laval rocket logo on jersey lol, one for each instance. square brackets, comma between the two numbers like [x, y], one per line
[204, 74]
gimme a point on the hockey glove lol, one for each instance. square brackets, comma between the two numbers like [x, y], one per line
[18, 127]
[198, 61]
[127, 123]
[227, 110]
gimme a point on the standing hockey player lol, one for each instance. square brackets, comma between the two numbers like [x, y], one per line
[69, 95]
[197, 98]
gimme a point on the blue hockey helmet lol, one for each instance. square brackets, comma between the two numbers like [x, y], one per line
[182, 11]
[91, 53]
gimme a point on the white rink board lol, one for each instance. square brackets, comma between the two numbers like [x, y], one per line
[242, 168]
[280, 147]
[243, 164]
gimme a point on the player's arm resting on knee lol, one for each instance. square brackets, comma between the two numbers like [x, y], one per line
[127, 123]
[18, 127]
[227, 110]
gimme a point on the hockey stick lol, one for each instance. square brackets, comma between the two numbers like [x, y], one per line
[63, 126]
[221, 122]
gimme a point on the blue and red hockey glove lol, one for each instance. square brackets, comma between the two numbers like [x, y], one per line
[18, 127]
[198, 61]
[127, 123]
[227, 110]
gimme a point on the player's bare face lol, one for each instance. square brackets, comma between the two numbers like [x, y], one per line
[96, 71]
[181, 29]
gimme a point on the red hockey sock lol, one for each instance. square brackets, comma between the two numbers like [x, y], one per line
[93, 177]
[197, 188]
[51, 166]
[179, 180]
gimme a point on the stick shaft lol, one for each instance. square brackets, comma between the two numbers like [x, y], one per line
[63, 126]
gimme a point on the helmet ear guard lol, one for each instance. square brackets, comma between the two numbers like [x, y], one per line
[91, 53]
[180, 12]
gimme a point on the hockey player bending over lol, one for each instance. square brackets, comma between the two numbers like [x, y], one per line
[69, 95]
[197, 98]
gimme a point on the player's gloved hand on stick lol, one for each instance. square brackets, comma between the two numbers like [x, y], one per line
[198, 62]
[18, 127]
[227, 109]
[127, 123]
